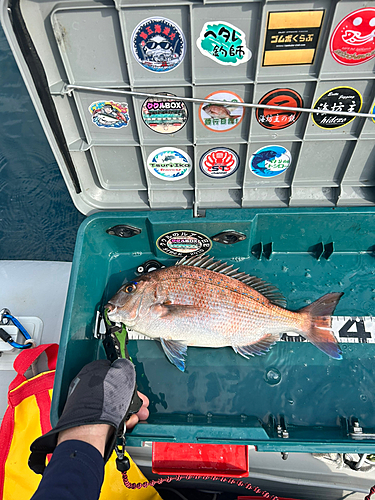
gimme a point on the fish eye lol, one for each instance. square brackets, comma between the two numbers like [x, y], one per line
[130, 288]
[357, 21]
[372, 22]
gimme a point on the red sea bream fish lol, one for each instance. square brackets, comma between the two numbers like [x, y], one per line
[202, 303]
[220, 111]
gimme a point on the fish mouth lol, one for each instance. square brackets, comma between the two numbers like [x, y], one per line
[115, 316]
[111, 311]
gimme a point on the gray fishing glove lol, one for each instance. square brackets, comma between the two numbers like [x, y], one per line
[101, 393]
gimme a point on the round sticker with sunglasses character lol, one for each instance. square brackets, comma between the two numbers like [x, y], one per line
[158, 44]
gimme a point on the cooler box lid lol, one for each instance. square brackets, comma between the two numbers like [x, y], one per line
[93, 69]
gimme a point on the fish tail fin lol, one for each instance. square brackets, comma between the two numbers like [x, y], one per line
[319, 332]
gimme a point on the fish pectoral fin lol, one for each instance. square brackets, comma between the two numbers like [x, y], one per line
[167, 309]
[175, 352]
[259, 348]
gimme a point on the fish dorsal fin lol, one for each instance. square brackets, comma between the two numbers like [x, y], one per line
[207, 262]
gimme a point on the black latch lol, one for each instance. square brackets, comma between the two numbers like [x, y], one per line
[229, 237]
[124, 231]
[149, 266]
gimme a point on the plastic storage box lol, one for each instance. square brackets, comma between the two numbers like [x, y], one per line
[295, 189]
[222, 397]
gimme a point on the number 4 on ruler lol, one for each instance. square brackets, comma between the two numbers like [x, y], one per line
[359, 333]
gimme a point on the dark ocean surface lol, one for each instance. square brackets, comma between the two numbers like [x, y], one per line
[38, 220]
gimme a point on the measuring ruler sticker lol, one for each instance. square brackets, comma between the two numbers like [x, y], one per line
[346, 329]
[354, 329]
[133, 335]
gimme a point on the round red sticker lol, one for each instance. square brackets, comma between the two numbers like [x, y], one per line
[276, 119]
[219, 162]
[353, 41]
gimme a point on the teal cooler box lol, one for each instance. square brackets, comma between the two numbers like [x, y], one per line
[222, 397]
[279, 194]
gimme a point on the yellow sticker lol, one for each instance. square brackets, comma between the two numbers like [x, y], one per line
[292, 37]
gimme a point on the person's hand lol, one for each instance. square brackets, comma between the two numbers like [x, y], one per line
[97, 434]
[142, 414]
[98, 400]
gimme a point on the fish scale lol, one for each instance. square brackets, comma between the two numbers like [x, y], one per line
[199, 303]
[253, 311]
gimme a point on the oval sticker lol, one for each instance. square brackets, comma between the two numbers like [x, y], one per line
[270, 161]
[164, 114]
[219, 162]
[183, 243]
[337, 99]
[223, 43]
[158, 44]
[274, 119]
[169, 164]
[353, 40]
[222, 117]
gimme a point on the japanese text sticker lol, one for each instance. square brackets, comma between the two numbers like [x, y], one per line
[223, 43]
[164, 114]
[222, 117]
[109, 114]
[274, 119]
[169, 164]
[353, 40]
[270, 161]
[184, 243]
[219, 162]
[158, 44]
[292, 37]
[337, 99]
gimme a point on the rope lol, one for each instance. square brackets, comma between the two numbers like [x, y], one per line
[247, 486]
[153, 482]
[68, 89]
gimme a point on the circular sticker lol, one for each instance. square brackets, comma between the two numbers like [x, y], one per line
[184, 243]
[219, 162]
[169, 164]
[337, 99]
[109, 114]
[164, 115]
[274, 119]
[353, 40]
[158, 44]
[373, 112]
[222, 117]
[270, 161]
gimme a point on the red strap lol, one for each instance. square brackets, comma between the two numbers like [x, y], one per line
[34, 386]
[6, 432]
[27, 357]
